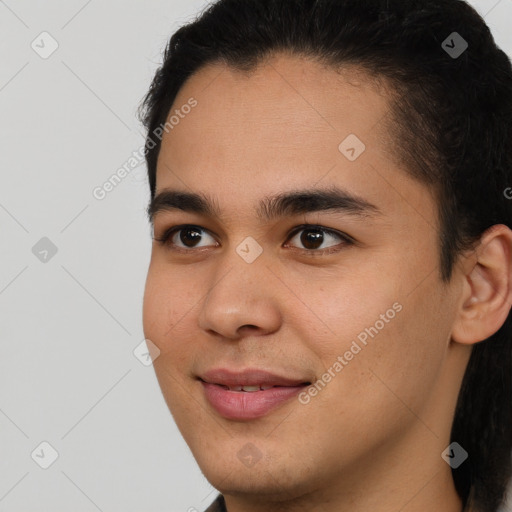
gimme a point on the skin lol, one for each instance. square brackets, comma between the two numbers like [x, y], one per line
[372, 438]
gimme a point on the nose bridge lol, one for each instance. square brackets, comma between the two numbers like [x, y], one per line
[241, 267]
[241, 293]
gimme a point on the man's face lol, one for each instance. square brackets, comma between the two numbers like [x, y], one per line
[244, 291]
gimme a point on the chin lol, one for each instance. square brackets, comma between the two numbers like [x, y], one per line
[262, 480]
[257, 487]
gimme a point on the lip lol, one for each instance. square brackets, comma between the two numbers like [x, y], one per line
[248, 405]
[248, 377]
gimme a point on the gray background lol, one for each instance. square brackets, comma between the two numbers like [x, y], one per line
[69, 324]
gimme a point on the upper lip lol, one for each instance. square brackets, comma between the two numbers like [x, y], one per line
[249, 377]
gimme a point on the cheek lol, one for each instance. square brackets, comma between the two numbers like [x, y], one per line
[393, 331]
[167, 307]
[406, 355]
[343, 306]
[156, 307]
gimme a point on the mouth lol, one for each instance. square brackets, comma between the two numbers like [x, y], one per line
[253, 388]
[248, 394]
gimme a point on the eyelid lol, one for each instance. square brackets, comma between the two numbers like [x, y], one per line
[346, 240]
[170, 232]
[319, 227]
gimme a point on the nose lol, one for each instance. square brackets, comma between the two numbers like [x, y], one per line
[241, 301]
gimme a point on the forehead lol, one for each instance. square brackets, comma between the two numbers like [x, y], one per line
[287, 124]
[284, 95]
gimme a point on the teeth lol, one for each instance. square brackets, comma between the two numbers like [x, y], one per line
[249, 389]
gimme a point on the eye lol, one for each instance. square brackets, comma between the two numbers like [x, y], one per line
[316, 240]
[183, 237]
[319, 240]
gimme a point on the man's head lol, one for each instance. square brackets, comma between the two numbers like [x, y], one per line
[336, 172]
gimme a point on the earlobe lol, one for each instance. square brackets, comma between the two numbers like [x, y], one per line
[487, 291]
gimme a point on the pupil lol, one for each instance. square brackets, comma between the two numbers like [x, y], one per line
[190, 235]
[312, 239]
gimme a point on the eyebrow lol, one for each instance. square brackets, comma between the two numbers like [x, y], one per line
[285, 204]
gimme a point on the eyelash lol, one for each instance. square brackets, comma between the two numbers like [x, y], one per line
[347, 240]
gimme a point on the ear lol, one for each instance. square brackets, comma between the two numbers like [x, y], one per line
[487, 288]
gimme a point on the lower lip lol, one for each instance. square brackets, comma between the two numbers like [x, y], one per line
[247, 405]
